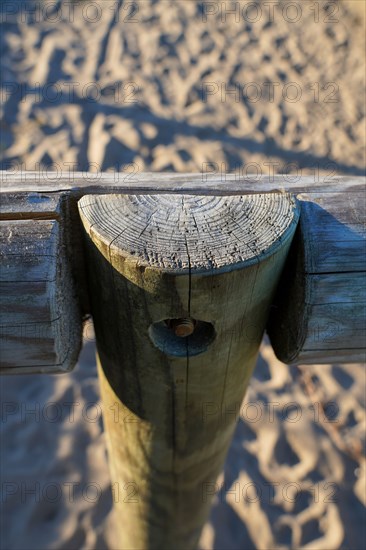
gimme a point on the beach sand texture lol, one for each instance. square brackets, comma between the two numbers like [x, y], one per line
[144, 86]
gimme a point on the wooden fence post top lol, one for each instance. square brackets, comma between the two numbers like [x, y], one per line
[192, 233]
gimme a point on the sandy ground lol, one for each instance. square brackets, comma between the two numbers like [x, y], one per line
[145, 86]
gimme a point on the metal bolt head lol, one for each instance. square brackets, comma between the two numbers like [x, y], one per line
[183, 327]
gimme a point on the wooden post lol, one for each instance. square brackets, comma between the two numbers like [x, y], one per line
[180, 291]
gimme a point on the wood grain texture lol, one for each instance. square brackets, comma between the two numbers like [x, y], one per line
[332, 239]
[320, 310]
[22, 206]
[78, 184]
[40, 324]
[170, 403]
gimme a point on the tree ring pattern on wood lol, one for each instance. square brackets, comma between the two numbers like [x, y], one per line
[189, 233]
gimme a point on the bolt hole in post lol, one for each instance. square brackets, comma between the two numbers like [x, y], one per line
[178, 337]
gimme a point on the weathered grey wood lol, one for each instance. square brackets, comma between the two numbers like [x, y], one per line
[330, 247]
[40, 323]
[132, 181]
[170, 403]
[330, 356]
[320, 311]
[34, 205]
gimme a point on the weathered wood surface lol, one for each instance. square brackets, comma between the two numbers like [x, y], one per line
[330, 317]
[36, 205]
[40, 324]
[320, 310]
[170, 403]
[77, 184]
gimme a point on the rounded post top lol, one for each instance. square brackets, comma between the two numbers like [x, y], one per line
[189, 233]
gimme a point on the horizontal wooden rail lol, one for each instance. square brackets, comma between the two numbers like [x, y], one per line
[319, 315]
[40, 319]
[319, 311]
[78, 184]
